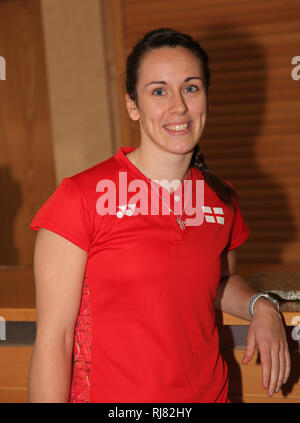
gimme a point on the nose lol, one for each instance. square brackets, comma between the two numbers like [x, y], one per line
[178, 104]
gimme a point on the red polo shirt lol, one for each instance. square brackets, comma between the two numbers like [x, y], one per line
[146, 328]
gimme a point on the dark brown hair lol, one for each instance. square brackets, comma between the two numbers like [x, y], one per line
[166, 37]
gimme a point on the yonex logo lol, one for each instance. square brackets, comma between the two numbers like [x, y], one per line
[212, 215]
[127, 209]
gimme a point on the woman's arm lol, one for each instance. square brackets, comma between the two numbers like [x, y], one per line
[233, 292]
[266, 331]
[59, 268]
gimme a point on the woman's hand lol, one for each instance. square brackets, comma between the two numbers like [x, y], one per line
[267, 333]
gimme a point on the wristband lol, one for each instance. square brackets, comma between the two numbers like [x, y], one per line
[256, 296]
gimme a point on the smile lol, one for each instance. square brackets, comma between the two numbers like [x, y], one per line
[182, 128]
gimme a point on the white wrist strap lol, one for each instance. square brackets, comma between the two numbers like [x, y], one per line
[255, 297]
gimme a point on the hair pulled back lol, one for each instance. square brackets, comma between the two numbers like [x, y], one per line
[167, 37]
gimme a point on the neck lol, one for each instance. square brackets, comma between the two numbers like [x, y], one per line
[158, 165]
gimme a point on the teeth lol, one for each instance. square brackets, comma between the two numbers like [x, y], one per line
[182, 127]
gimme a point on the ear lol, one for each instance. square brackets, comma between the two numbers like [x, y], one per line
[132, 108]
[208, 107]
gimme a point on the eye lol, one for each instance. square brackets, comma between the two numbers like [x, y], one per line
[192, 88]
[158, 92]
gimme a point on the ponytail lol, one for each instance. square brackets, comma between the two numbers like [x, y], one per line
[224, 191]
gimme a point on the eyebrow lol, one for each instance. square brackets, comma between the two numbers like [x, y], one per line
[165, 83]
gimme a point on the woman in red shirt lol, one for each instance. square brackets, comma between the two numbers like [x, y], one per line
[131, 286]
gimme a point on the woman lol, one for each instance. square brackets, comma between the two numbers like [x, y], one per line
[134, 277]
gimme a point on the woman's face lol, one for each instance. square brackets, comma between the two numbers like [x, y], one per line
[172, 101]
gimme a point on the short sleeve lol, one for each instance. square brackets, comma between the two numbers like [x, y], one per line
[66, 213]
[239, 231]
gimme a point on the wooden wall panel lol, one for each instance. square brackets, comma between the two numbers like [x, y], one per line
[245, 381]
[115, 60]
[15, 373]
[26, 155]
[55, 109]
[252, 134]
[78, 89]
